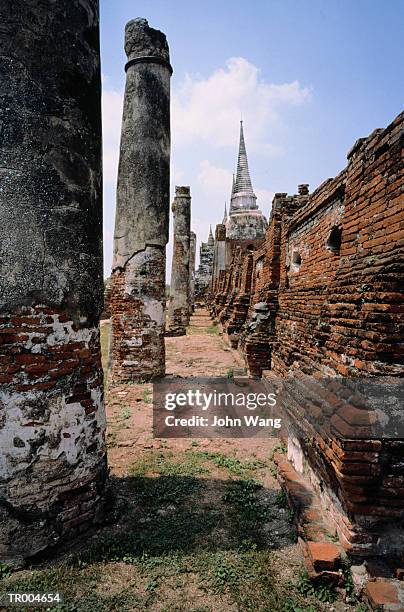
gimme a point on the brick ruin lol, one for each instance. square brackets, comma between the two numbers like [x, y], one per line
[315, 291]
[52, 421]
[321, 295]
[178, 311]
[137, 300]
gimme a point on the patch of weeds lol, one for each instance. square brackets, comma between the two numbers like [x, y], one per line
[111, 439]
[321, 591]
[224, 573]
[125, 414]
[212, 329]
[195, 443]
[5, 570]
[290, 605]
[230, 373]
[168, 464]
[147, 396]
[247, 513]
[281, 499]
[333, 538]
[164, 489]
[280, 447]
[273, 470]
[290, 515]
[178, 531]
[232, 464]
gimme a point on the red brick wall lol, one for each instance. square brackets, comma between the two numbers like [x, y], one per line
[52, 426]
[338, 312]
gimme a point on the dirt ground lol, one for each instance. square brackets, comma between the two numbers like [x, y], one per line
[196, 525]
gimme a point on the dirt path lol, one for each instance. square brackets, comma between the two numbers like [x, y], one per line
[197, 526]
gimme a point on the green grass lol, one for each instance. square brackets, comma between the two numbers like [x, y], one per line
[182, 531]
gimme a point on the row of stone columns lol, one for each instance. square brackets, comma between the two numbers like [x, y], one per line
[52, 418]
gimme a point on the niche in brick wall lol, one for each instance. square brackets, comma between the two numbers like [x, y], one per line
[296, 261]
[333, 242]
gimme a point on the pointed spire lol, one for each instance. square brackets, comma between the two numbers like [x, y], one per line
[211, 240]
[243, 196]
[243, 180]
[225, 213]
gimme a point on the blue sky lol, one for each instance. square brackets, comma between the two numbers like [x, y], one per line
[308, 77]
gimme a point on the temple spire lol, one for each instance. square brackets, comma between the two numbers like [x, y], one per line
[243, 180]
[211, 240]
[242, 195]
[225, 213]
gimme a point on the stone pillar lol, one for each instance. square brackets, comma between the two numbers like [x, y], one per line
[192, 256]
[178, 306]
[219, 257]
[142, 214]
[52, 421]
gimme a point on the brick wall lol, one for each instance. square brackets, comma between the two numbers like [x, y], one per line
[51, 431]
[326, 299]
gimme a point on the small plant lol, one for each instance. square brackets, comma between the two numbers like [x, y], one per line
[291, 606]
[125, 414]
[280, 447]
[230, 373]
[147, 396]
[290, 515]
[273, 469]
[323, 592]
[281, 499]
[362, 607]
[5, 570]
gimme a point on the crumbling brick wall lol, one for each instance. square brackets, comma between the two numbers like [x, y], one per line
[326, 299]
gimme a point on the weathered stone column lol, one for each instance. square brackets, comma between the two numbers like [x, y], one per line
[52, 422]
[178, 306]
[141, 224]
[192, 256]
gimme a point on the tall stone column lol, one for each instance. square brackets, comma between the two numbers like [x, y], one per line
[142, 214]
[192, 256]
[178, 306]
[52, 422]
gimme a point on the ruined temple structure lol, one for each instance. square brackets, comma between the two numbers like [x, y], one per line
[142, 215]
[203, 275]
[178, 311]
[241, 231]
[321, 295]
[245, 220]
[52, 421]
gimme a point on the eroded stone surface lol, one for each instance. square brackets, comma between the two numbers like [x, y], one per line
[52, 423]
[141, 224]
[178, 311]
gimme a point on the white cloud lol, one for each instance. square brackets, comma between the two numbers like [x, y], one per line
[215, 181]
[208, 109]
[112, 104]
